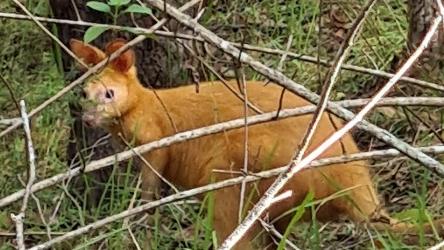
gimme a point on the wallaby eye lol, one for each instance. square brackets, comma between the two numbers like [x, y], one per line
[109, 94]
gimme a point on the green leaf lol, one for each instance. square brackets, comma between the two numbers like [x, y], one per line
[135, 8]
[93, 32]
[118, 2]
[99, 6]
[300, 210]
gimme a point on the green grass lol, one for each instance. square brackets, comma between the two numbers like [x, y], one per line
[28, 66]
[28, 63]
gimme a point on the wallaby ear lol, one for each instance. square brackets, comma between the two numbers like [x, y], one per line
[87, 53]
[125, 61]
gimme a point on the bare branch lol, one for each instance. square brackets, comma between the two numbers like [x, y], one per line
[349, 67]
[10, 234]
[133, 199]
[437, 246]
[298, 89]
[39, 209]
[226, 183]
[53, 37]
[31, 177]
[8, 121]
[216, 128]
[18, 219]
[224, 82]
[296, 166]
[31, 155]
[271, 229]
[244, 91]
[284, 56]
[76, 10]
[148, 164]
[133, 238]
[177, 35]
[441, 8]
[332, 75]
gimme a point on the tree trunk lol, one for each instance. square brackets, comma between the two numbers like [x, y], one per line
[421, 16]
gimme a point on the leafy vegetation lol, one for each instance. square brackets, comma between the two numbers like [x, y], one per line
[30, 66]
[114, 9]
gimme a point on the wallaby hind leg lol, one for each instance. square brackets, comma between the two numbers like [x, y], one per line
[151, 186]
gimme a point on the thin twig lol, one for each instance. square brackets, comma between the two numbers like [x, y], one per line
[438, 246]
[75, 202]
[11, 234]
[31, 155]
[295, 166]
[224, 82]
[11, 93]
[226, 183]
[39, 209]
[331, 78]
[318, 42]
[326, 63]
[76, 10]
[271, 229]
[52, 36]
[243, 83]
[209, 67]
[8, 121]
[133, 238]
[31, 177]
[426, 124]
[151, 167]
[167, 112]
[216, 128]
[284, 56]
[177, 35]
[133, 199]
[279, 67]
[18, 219]
[300, 90]
[125, 223]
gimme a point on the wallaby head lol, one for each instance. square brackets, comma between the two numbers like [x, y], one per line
[109, 94]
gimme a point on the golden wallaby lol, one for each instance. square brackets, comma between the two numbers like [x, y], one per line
[123, 106]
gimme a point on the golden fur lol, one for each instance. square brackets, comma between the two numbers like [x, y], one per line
[142, 118]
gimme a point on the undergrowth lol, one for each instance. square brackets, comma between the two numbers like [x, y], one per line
[28, 63]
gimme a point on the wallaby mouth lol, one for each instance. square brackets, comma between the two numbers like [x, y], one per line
[91, 119]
